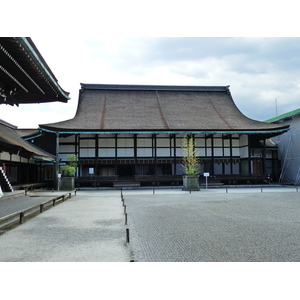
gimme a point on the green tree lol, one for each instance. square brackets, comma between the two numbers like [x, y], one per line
[190, 161]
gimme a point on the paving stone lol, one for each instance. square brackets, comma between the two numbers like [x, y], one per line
[215, 226]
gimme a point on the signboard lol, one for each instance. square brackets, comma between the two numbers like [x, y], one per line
[205, 174]
[91, 171]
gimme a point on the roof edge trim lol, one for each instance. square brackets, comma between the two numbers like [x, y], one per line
[30, 48]
[279, 131]
[43, 158]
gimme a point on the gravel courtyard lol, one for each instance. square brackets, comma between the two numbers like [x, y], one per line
[214, 225]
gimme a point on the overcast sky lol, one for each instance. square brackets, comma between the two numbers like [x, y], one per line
[261, 72]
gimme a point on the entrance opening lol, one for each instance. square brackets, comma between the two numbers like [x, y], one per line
[126, 172]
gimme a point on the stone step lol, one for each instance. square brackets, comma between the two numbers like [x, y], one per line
[126, 184]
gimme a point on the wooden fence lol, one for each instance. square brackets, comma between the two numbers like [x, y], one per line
[19, 216]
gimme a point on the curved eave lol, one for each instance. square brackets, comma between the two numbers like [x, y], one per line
[37, 57]
[31, 137]
[25, 76]
[43, 158]
[196, 131]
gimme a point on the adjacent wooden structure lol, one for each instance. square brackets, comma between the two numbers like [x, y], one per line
[25, 78]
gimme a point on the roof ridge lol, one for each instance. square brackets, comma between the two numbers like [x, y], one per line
[153, 87]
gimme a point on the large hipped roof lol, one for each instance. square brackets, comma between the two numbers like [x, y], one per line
[137, 108]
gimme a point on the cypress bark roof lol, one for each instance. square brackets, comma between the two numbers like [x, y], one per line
[10, 141]
[25, 76]
[158, 108]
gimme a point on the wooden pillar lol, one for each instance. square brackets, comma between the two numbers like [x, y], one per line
[96, 155]
[154, 153]
[250, 170]
[76, 146]
[174, 149]
[135, 154]
[56, 162]
[223, 157]
[264, 157]
[9, 167]
[116, 154]
[212, 156]
[231, 154]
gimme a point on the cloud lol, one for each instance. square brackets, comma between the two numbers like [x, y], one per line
[258, 70]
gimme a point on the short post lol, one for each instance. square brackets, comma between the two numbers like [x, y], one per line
[226, 190]
[261, 190]
[124, 209]
[127, 235]
[54, 202]
[41, 208]
[21, 217]
[153, 190]
[125, 218]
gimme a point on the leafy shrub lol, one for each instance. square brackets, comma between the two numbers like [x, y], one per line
[69, 169]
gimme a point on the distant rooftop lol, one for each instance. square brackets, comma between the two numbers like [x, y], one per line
[284, 117]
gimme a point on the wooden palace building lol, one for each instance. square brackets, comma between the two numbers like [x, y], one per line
[133, 134]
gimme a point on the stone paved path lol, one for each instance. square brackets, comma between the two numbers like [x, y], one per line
[243, 225]
[212, 225]
[86, 228]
